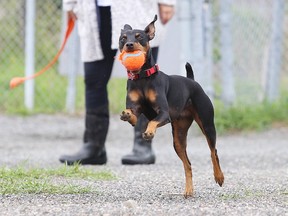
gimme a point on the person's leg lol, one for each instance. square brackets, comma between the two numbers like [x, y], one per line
[142, 152]
[97, 75]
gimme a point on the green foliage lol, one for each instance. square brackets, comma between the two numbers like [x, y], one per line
[22, 180]
[236, 118]
[245, 193]
[50, 89]
[117, 94]
[252, 117]
[51, 99]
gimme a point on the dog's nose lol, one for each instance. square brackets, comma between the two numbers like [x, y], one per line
[129, 46]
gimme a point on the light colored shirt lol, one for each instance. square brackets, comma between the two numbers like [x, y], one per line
[104, 3]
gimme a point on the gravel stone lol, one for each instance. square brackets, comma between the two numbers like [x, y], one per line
[255, 165]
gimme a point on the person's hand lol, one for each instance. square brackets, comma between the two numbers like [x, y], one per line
[166, 12]
[71, 15]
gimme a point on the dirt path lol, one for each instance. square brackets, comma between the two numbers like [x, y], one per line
[255, 167]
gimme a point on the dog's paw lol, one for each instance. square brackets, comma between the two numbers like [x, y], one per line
[219, 179]
[188, 191]
[188, 194]
[148, 135]
[125, 115]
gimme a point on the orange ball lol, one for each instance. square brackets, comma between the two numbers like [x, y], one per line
[132, 60]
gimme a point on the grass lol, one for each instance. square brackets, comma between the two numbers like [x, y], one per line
[21, 180]
[239, 117]
[50, 98]
[243, 194]
[117, 94]
[256, 117]
[250, 193]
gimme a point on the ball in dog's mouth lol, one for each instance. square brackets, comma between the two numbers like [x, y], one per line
[133, 61]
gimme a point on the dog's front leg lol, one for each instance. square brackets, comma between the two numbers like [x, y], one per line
[154, 124]
[133, 109]
[127, 115]
[162, 109]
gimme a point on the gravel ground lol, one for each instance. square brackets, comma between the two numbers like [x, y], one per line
[255, 166]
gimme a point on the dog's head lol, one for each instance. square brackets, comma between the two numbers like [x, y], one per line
[134, 39]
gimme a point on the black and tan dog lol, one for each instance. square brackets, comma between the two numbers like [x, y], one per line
[163, 99]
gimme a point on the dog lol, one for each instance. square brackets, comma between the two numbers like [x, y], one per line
[167, 99]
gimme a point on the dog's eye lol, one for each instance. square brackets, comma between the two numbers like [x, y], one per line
[123, 39]
[138, 37]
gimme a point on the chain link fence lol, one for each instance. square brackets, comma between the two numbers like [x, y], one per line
[251, 28]
[50, 88]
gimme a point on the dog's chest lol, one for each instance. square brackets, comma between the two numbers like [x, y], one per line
[148, 89]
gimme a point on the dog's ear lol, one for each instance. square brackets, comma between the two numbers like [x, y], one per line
[127, 27]
[150, 29]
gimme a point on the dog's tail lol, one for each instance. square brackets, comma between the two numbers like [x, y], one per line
[189, 71]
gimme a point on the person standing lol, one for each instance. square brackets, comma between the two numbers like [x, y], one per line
[99, 26]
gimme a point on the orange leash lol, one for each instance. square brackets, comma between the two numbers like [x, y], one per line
[16, 81]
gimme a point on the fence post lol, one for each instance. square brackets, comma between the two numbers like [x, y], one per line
[72, 73]
[196, 41]
[208, 50]
[275, 51]
[69, 64]
[185, 17]
[29, 53]
[197, 38]
[228, 88]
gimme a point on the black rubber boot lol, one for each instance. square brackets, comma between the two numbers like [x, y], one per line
[93, 150]
[142, 152]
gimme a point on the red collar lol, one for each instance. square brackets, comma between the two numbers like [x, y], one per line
[143, 73]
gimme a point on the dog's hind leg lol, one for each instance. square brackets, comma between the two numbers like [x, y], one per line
[210, 134]
[179, 130]
[205, 120]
